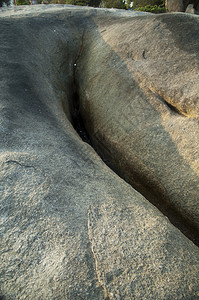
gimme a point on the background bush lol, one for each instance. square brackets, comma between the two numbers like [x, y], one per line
[23, 2]
[152, 9]
[144, 3]
[152, 6]
[113, 3]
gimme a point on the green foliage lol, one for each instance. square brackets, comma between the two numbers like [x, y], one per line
[23, 2]
[152, 9]
[78, 2]
[113, 3]
[152, 6]
[144, 3]
[128, 2]
[94, 3]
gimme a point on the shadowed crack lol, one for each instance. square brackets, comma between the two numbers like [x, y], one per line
[77, 120]
[173, 108]
[78, 123]
[170, 106]
[18, 163]
[162, 98]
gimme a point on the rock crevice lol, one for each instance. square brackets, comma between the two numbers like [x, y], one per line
[80, 231]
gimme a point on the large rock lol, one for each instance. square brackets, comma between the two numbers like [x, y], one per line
[70, 227]
[139, 99]
[180, 5]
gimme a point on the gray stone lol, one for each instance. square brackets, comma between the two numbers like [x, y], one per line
[143, 116]
[70, 227]
[191, 10]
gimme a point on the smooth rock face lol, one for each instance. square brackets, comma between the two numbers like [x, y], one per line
[70, 227]
[143, 116]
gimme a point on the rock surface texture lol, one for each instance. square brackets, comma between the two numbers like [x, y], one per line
[180, 5]
[70, 227]
[144, 116]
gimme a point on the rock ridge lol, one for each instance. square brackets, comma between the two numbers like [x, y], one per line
[70, 227]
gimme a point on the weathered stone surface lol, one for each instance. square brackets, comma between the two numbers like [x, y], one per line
[143, 116]
[70, 227]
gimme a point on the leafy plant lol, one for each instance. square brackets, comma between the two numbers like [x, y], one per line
[78, 2]
[23, 2]
[113, 3]
[152, 6]
[152, 9]
[144, 3]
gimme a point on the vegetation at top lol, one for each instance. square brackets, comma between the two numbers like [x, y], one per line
[154, 6]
